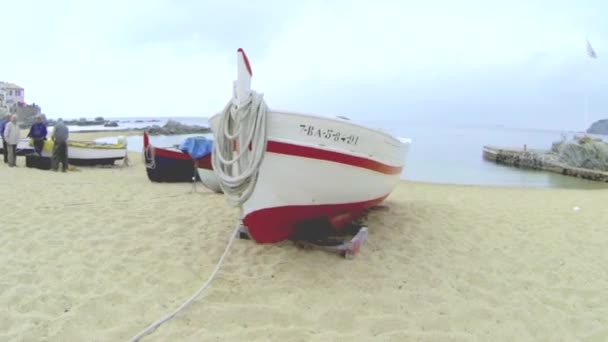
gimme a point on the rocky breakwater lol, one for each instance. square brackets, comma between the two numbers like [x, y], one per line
[582, 157]
[98, 121]
[174, 127]
[599, 127]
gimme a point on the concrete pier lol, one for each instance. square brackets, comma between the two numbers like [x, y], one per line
[539, 160]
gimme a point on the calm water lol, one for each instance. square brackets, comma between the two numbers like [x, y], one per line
[440, 154]
[454, 155]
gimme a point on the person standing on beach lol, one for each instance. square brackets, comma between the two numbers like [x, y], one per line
[60, 147]
[11, 136]
[3, 123]
[38, 133]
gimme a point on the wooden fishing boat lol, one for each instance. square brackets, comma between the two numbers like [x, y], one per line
[206, 174]
[170, 164]
[85, 153]
[312, 167]
[23, 147]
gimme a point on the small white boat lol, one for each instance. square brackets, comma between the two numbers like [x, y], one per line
[83, 152]
[23, 147]
[312, 167]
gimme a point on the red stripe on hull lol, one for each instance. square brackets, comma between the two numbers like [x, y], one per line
[205, 162]
[171, 154]
[164, 152]
[320, 154]
[276, 224]
[337, 157]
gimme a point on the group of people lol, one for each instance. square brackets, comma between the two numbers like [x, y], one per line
[10, 133]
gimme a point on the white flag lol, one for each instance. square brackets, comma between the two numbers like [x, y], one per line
[590, 52]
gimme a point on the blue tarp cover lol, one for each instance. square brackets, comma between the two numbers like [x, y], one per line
[197, 147]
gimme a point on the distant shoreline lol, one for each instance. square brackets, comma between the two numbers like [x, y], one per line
[133, 131]
[171, 127]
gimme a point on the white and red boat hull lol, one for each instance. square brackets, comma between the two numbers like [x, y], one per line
[206, 174]
[316, 167]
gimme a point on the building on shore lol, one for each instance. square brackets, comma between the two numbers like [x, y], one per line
[12, 94]
[3, 106]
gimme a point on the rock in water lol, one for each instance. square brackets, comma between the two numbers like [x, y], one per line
[583, 152]
[175, 127]
[599, 127]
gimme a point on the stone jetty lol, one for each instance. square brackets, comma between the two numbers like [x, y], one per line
[545, 160]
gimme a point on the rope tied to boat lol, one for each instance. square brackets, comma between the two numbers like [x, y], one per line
[242, 126]
[245, 125]
[149, 155]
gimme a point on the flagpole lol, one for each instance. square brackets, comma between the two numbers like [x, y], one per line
[585, 86]
[586, 112]
[591, 54]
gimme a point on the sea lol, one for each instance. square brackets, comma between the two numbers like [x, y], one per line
[445, 154]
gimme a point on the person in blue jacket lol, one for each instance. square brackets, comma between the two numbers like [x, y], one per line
[3, 123]
[38, 134]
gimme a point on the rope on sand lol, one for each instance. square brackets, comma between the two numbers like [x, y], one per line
[158, 323]
[244, 124]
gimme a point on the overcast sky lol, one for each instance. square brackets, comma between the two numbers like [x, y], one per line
[517, 63]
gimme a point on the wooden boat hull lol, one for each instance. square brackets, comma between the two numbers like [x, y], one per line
[209, 178]
[168, 165]
[89, 153]
[319, 168]
[77, 154]
[173, 165]
[23, 147]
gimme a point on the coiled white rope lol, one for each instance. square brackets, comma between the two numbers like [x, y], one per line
[244, 123]
[158, 323]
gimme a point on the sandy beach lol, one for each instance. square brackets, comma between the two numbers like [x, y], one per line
[98, 254]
